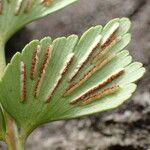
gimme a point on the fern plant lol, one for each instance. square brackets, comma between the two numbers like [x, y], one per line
[64, 78]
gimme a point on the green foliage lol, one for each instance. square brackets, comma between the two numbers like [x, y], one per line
[14, 14]
[69, 77]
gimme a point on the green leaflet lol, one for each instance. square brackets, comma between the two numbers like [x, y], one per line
[36, 84]
[14, 14]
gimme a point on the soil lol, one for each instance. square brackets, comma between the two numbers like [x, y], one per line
[126, 128]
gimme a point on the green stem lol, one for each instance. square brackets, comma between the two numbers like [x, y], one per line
[19, 146]
[13, 137]
[2, 58]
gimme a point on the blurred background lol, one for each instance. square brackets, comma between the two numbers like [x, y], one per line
[128, 127]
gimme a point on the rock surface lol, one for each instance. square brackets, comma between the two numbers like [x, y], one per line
[128, 127]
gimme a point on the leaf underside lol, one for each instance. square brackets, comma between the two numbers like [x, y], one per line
[14, 14]
[69, 77]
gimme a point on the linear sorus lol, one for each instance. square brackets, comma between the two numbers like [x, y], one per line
[105, 49]
[23, 81]
[86, 57]
[100, 85]
[105, 92]
[1, 7]
[60, 76]
[89, 74]
[109, 34]
[46, 2]
[28, 6]
[42, 70]
[18, 7]
[34, 63]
